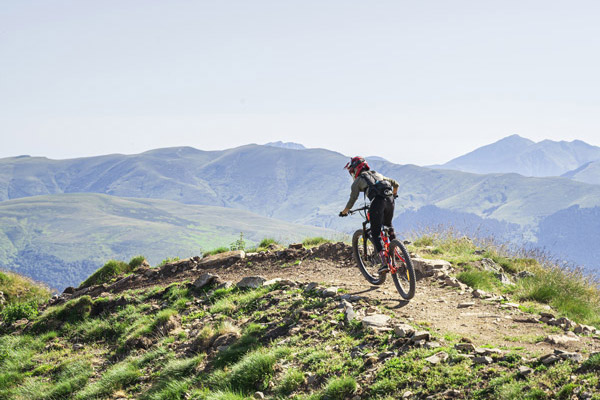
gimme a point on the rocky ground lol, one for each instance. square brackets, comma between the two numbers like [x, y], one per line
[441, 304]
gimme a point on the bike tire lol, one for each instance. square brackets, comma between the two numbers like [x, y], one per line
[368, 262]
[404, 278]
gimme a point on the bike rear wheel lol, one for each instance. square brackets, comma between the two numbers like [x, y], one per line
[404, 277]
[366, 258]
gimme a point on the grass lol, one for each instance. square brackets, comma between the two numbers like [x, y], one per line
[339, 388]
[254, 371]
[118, 376]
[78, 353]
[19, 289]
[110, 270]
[569, 291]
[218, 250]
[315, 241]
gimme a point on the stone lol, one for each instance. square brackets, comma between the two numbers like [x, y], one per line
[204, 280]
[426, 268]
[311, 286]
[432, 345]
[466, 304]
[296, 246]
[525, 274]
[437, 358]
[584, 329]
[349, 314]
[487, 264]
[404, 330]
[352, 298]
[453, 282]
[259, 395]
[376, 321]
[549, 359]
[524, 371]
[408, 395]
[329, 292]
[561, 339]
[227, 257]
[386, 354]
[484, 360]
[420, 335]
[547, 315]
[479, 294]
[508, 306]
[571, 356]
[251, 282]
[465, 347]
[69, 290]
[505, 280]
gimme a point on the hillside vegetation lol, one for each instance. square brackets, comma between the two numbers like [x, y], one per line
[184, 331]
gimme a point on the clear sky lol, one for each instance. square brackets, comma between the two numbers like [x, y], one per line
[412, 81]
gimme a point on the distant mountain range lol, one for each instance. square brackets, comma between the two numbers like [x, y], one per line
[515, 154]
[61, 239]
[308, 187]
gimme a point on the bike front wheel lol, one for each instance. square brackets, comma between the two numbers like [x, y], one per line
[366, 258]
[404, 276]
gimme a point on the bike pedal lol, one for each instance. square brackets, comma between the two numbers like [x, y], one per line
[383, 270]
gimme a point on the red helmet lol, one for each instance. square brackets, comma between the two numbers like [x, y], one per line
[356, 165]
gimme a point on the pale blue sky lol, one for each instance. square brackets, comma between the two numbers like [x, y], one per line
[415, 82]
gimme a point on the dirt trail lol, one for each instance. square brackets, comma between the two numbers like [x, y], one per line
[434, 306]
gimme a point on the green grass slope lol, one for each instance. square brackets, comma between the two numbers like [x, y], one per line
[61, 239]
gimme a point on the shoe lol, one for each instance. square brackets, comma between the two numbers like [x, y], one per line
[384, 263]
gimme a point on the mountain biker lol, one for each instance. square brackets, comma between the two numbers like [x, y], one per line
[381, 191]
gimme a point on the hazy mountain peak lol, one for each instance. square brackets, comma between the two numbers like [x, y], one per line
[286, 145]
[515, 154]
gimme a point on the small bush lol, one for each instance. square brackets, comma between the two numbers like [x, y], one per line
[107, 272]
[266, 242]
[339, 388]
[136, 262]
[239, 244]
[14, 312]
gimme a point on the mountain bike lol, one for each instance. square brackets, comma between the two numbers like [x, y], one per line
[399, 263]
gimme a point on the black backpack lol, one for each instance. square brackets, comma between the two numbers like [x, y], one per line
[376, 188]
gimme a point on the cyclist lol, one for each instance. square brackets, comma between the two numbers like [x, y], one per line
[381, 191]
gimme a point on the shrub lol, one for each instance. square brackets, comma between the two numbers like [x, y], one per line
[14, 312]
[266, 242]
[107, 272]
[136, 262]
[339, 388]
[239, 244]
